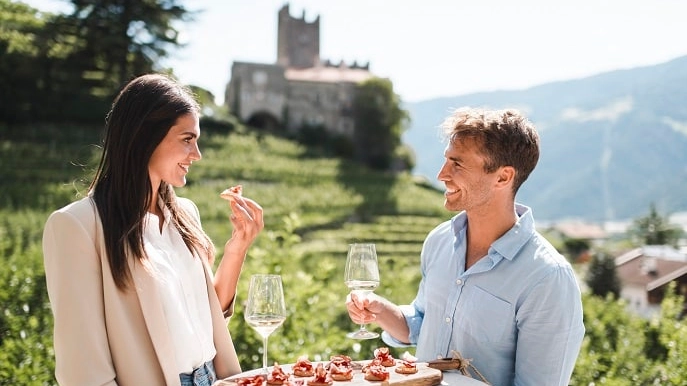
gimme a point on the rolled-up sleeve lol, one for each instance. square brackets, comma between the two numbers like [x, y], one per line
[413, 320]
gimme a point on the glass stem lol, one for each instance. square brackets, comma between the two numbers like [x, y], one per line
[363, 327]
[264, 355]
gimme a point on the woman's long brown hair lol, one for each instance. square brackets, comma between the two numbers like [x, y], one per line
[140, 117]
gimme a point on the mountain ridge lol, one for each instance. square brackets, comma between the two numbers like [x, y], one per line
[612, 143]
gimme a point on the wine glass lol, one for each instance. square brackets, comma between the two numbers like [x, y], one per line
[265, 309]
[362, 278]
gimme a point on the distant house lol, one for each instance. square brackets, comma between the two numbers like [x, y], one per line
[579, 236]
[573, 229]
[644, 274]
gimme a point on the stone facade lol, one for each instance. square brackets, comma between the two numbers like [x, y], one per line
[299, 89]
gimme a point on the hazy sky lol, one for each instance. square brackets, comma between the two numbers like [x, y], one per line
[434, 48]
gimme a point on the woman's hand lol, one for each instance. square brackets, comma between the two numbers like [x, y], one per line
[247, 221]
[246, 218]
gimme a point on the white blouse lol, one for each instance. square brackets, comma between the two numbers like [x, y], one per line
[182, 288]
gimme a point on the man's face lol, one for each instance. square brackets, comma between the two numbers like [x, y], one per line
[468, 186]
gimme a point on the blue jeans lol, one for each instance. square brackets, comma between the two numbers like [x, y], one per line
[202, 376]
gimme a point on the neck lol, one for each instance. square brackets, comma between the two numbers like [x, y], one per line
[154, 207]
[485, 228]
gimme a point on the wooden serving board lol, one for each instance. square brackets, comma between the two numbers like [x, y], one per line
[425, 376]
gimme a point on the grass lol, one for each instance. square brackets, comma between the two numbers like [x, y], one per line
[314, 206]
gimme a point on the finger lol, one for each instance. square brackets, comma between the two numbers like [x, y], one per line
[354, 313]
[254, 211]
[363, 317]
[254, 205]
[240, 211]
[358, 301]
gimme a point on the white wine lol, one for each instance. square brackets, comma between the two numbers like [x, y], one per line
[361, 276]
[265, 324]
[362, 285]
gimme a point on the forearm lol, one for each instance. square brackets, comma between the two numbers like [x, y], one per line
[226, 277]
[246, 219]
[391, 320]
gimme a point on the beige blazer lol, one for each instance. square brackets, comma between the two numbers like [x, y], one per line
[104, 336]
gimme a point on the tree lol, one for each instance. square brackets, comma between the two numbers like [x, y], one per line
[601, 276]
[21, 53]
[379, 123]
[69, 67]
[125, 38]
[655, 229]
[575, 248]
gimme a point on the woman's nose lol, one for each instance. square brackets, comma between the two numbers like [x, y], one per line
[196, 153]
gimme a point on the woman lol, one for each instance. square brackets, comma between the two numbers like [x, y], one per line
[128, 268]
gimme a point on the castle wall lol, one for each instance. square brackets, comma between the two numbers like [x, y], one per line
[256, 87]
[321, 104]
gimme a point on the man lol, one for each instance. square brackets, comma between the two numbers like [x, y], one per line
[492, 289]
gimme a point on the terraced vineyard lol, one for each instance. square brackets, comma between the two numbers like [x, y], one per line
[314, 206]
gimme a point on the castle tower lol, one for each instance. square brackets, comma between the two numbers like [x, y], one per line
[298, 42]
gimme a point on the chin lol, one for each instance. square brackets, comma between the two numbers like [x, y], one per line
[178, 184]
[452, 207]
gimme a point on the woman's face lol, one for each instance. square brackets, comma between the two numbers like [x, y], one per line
[173, 156]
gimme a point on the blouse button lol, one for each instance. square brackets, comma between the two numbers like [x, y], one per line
[448, 320]
[459, 282]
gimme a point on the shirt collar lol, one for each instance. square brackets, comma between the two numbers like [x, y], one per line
[511, 242]
[152, 221]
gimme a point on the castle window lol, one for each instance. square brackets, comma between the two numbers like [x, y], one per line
[259, 78]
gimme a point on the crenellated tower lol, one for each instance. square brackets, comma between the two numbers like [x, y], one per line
[300, 90]
[298, 41]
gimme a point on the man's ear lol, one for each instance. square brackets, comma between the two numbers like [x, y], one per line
[506, 175]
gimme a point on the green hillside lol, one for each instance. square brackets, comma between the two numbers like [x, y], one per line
[314, 206]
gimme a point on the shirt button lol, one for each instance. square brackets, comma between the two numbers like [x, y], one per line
[448, 320]
[459, 282]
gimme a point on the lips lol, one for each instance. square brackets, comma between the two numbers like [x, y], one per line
[450, 192]
[184, 167]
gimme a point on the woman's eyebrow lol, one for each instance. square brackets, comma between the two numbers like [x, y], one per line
[192, 134]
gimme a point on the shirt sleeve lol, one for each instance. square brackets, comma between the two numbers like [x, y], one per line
[74, 282]
[413, 321]
[414, 313]
[550, 330]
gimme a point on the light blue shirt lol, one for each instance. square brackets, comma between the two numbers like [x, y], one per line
[516, 313]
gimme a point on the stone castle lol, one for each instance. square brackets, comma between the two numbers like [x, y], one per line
[300, 89]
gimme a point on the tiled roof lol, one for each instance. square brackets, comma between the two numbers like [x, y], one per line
[650, 267]
[328, 74]
[580, 230]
